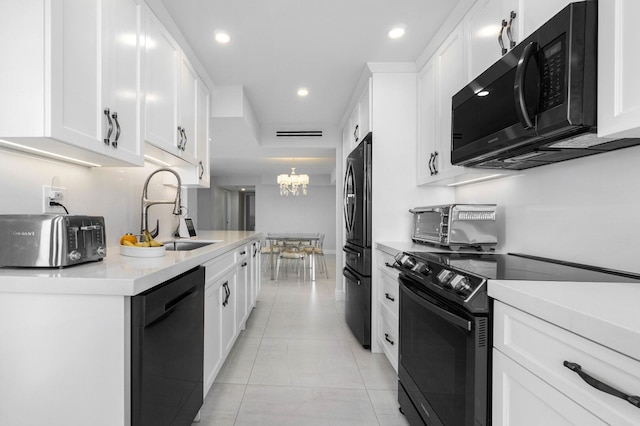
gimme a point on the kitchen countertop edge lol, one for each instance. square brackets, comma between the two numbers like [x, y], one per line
[118, 275]
[596, 311]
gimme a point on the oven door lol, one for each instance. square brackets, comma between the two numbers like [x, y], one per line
[444, 359]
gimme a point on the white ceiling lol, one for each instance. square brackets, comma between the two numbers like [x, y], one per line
[278, 46]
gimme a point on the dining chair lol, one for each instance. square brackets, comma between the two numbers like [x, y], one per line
[291, 253]
[318, 252]
[271, 248]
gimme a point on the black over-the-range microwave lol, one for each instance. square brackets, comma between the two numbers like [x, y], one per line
[538, 104]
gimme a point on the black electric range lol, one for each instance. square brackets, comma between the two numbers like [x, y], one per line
[446, 327]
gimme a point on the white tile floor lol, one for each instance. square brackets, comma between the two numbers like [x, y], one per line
[297, 363]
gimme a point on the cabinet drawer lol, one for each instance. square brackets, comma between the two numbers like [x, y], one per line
[216, 267]
[242, 252]
[522, 399]
[542, 348]
[385, 259]
[388, 333]
[389, 294]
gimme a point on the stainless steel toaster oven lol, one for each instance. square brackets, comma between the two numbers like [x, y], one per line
[51, 240]
[456, 225]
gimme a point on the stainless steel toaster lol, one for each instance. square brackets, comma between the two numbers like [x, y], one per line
[456, 225]
[51, 240]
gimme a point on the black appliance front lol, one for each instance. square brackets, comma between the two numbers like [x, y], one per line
[358, 305]
[444, 358]
[357, 194]
[167, 352]
[520, 112]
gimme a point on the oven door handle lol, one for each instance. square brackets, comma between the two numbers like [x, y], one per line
[442, 313]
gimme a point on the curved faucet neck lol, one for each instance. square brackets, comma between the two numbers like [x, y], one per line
[146, 203]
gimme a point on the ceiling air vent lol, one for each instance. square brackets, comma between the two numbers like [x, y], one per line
[298, 133]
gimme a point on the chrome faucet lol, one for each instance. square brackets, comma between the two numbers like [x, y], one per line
[146, 203]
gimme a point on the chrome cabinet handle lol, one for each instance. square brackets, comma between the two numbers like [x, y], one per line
[503, 50]
[386, 337]
[435, 165]
[431, 164]
[512, 42]
[107, 113]
[183, 131]
[518, 86]
[355, 133]
[181, 136]
[388, 296]
[115, 118]
[602, 387]
[201, 170]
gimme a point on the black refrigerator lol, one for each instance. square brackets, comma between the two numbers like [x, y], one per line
[357, 215]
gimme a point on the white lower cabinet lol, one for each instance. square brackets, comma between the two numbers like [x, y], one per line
[388, 308]
[228, 302]
[532, 384]
[242, 288]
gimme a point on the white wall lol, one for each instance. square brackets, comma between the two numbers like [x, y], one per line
[585, 210]
[114, 193]
[312, 213]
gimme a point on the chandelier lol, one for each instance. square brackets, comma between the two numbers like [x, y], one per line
[293, 183]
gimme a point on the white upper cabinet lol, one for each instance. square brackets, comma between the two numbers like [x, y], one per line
[618, 69]
[200, 175]
[187, 111]
[70, 79]
[510, 21]
[359, 123]
[162, 62]
[171, 99]
[442, 76]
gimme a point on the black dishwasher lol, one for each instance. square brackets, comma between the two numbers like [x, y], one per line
[167, 349]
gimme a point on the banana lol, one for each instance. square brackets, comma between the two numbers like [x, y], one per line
[151, 241]
[128, 243]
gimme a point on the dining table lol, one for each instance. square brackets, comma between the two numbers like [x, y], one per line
[287, 238]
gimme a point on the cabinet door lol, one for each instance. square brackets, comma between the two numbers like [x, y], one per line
[531, 14]
[618, 69]
[483, 25]
[228, 320]
[202, 135]
[187, 110]
[161, 86]
[427, 121]
[522, 399]
[364, 111]
[214, 296]
[451, 77]
[242, 293]
[121, 81]
[77, 52]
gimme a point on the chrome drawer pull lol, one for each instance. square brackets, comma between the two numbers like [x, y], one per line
[602, 387]
[389, 297]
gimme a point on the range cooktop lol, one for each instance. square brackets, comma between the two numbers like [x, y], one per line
[520, 267]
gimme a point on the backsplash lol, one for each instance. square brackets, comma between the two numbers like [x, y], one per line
[112, 192]
[585, 210]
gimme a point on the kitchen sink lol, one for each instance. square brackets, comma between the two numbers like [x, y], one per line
[186, 245]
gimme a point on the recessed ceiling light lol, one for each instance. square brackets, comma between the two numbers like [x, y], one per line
[396, 32]
[302, 92]
[222, 37]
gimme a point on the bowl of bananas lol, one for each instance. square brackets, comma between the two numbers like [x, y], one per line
[146, 246]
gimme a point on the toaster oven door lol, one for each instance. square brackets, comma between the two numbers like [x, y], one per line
[431, 225]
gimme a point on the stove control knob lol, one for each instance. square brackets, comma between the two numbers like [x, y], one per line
[460, 284]
[75, 255]
[422, 268]
[444, 276]
[409, 262]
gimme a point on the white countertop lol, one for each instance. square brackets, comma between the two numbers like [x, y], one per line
[606, 313]
[394, 247]
[120, 275]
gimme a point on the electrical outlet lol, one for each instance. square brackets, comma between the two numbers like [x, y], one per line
[53, 193]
